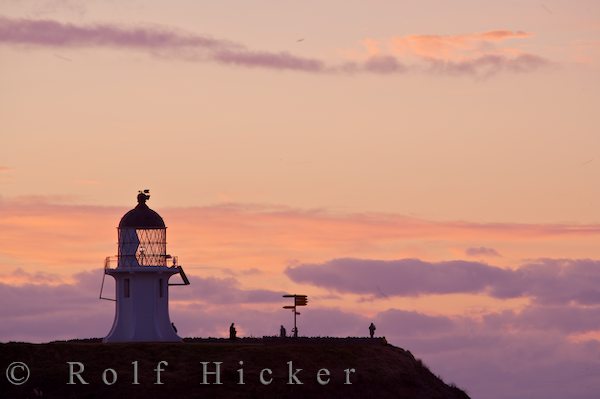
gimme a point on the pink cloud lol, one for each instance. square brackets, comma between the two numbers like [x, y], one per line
[477, 54]
[450, 47]
[53, 237]
[481, 251]
[20, 277]
[565, 319]
[497, 35]
[384, 64]
[547, 281]
[265, 59]
[45, 32]
[170, 42]
[487, 65]
[405, 277]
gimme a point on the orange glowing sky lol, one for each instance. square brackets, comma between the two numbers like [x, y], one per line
[276, 136]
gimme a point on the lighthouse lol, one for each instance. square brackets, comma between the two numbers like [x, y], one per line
[142, 270]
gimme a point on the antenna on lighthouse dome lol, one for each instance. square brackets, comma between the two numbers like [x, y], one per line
[143, 196]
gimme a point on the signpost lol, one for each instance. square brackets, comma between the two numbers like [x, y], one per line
[299, 300]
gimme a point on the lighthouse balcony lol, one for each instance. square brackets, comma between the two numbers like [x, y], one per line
[140, 260]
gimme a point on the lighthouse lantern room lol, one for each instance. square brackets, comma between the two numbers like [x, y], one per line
[142, 272]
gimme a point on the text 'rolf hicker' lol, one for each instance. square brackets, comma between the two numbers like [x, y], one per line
[209, 373]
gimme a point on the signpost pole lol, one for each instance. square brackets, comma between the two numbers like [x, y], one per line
[295, 328]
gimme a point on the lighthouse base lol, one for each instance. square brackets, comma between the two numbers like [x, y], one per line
[142, 305]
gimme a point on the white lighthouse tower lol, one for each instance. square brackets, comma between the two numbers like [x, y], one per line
[142, 278]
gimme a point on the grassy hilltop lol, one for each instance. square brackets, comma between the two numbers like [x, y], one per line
[382, 370]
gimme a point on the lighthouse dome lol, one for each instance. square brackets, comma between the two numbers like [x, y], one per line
[142, 217]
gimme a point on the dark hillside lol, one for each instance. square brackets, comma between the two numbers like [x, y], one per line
[382, 370]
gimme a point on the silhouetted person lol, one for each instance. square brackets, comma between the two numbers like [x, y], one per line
[295, 332]
[174, 328]
[232, 332]
[282, 332]
[372, 329]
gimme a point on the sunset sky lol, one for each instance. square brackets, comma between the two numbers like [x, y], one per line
[431, 166]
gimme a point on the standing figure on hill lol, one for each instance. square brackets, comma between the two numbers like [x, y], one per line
[282, 332]
[372, 329]
[232, 331]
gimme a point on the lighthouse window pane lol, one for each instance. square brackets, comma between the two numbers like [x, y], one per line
[126, 288]
[160, 288]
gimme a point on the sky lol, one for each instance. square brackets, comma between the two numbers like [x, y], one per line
[429, 166]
